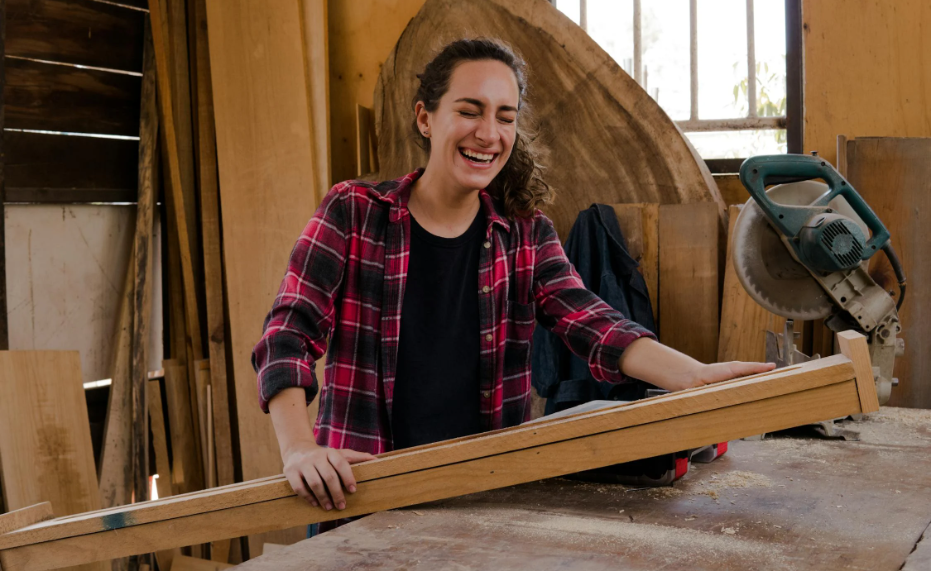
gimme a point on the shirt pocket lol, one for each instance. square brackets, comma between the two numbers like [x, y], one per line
[519, 328]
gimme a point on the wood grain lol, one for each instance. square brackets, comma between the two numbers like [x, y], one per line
[17, 519]
[80, 32]
[51, 97]
[893, 176]
[43, 161]
[452, 480]
[581, 97]
[186, 462]
[316, 34]
[688, 279]
[853, 345]
[264, 148]
[45, 437]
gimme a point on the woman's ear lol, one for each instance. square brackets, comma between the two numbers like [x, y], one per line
[423, 118]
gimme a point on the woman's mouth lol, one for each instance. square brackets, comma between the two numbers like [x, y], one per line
[476, 157]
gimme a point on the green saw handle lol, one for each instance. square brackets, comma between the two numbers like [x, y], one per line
[788, 219]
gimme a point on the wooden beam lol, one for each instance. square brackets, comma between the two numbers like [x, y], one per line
[23, 517]
[853, 345]
[796, 395]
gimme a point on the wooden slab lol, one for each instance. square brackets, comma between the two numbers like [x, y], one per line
[45, 437]
[766, 505]
[893, 176]
[82, 32]
[609, 142]
[689, 279]
[265, 148]
[689, 419]
[18, 519]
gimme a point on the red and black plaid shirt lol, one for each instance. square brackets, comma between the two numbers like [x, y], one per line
[346, 280]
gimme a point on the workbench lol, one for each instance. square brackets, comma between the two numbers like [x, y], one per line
[790, 501]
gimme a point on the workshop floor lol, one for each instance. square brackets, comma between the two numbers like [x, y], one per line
[787, 502]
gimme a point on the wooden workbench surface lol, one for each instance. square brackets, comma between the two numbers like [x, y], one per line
[783, 503]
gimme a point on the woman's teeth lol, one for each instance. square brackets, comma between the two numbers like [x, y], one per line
[478, 157]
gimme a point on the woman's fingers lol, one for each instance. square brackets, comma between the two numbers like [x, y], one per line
[354, 457]
[314, 482]
[742, 369]
[342, 467]
[297, 482]
[332, 481]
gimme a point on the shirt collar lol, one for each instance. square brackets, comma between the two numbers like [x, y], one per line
[397, 192]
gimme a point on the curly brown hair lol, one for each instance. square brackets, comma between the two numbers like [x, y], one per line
[520, 185]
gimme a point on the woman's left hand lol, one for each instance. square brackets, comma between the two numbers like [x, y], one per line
[718, 372]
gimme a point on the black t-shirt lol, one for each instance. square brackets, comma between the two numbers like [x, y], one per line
[437, 394]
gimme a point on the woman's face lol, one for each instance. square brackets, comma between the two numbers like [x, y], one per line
[473, 128]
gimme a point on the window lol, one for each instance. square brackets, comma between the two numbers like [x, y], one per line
[719, 68]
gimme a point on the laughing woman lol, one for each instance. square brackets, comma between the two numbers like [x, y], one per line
[425, 290]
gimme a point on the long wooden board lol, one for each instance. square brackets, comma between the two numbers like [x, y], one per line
[45, 437]
[806, 393]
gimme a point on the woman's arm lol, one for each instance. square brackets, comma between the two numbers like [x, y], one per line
[671, 370]
[314, 472]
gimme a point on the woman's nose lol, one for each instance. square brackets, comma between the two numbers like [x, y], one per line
[487, 132]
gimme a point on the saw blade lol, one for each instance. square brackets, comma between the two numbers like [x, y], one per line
[764, 264]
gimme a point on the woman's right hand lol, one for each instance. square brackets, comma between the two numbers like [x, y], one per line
[320, 474]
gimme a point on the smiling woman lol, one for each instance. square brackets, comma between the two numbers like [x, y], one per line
[424, 292]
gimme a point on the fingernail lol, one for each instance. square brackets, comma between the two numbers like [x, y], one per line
[352, 489]
[328, 507]
[313, 504]
[341, 505]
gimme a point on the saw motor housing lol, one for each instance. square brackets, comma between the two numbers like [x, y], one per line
[801, 248]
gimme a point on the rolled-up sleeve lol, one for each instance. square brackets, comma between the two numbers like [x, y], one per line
[296, 329]
[589, 327]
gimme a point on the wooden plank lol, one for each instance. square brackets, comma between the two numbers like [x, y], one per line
[116, 460]
[39, 160]
[52, 97]
[186, 462]
[582, 100]
[364, 142]
[854, 346]
[202, 381]
[82, 32]
[23, 517]
[893, 176]
[688, 278]
[775, 384]
[487, 472]
[264, 147]
[159, 439]
[742, 331]
[213, 267]
[4, 317]
[142, 261]
[315, 31]
[45, 437]
[639, 225]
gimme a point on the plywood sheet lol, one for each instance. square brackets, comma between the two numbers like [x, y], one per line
[608, 140]
[267, 186]
[45, 437]
[893, 176]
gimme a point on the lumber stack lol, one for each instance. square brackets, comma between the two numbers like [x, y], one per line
[826, 388]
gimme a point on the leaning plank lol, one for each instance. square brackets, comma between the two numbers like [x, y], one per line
[45, 437]
[23, 517]
[810, 392]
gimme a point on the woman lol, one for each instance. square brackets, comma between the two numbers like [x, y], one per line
[429, 287]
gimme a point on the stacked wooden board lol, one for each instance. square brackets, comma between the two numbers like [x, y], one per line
[826, 388]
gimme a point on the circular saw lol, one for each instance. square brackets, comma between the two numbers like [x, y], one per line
[801, 251]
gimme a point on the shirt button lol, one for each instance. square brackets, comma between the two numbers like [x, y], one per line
[485, 289]
[487, 245]
[489, 337]
[486, 394]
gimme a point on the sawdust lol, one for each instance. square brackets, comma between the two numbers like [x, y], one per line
[552, 527]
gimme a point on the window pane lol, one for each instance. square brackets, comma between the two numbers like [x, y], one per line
[722, 58]
[739, 144]
[665, 40]
[571, 9]
[770, 58]
[609, 22]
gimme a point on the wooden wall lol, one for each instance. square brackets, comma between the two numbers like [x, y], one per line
[866, 71]
[361, 35]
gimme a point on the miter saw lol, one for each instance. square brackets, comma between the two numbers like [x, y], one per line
[801, 250]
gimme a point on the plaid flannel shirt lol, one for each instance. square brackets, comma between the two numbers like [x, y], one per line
[343, 293]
